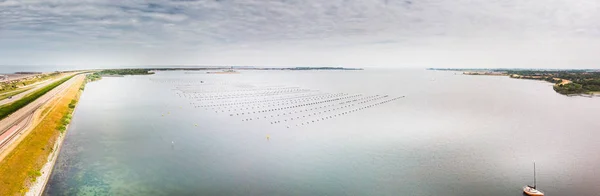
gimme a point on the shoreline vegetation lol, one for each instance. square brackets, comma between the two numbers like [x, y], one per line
[22, 166]
[566, 82]
[94, 76]
[122, 72]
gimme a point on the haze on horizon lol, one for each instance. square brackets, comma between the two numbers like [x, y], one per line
[349, 33]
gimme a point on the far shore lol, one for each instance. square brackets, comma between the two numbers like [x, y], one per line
[573, 82]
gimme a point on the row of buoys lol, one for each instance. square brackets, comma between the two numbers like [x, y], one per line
[276, 98]
[354, 110]
[346, 112]
[256, 97]
[314, 113]
[286, 105]
[256, 106]
[266, 100]
[257, 92]
[213, 98]
[325, 111]
[200, 97]
[277, 103]
[244, 102]
[263, 102]
[225, 91]
[234, 90]
[287, 112]
[304, 105]
[237, 89]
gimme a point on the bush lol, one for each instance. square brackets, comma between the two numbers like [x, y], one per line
[72, 104]
[571, 88]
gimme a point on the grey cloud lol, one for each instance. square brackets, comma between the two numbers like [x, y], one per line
[215, 25]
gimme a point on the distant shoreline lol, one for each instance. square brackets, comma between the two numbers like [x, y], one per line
[36, 69]
[570, 82]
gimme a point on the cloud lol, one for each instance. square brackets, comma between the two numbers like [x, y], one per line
[197, 30]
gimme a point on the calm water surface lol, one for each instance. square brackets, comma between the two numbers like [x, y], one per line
[451, 135]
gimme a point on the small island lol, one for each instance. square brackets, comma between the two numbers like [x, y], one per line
[566, 82]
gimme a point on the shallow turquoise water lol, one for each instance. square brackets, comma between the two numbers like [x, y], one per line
[451, 135]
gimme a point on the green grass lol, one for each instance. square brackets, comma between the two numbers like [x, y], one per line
[8, 109]
[13, 93]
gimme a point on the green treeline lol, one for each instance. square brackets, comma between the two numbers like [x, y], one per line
[583, 81]
[90, 77]
[8, 109]
[571, 88]
[125, 72]
[93, 77]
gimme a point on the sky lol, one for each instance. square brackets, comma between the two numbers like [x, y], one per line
[282, 33]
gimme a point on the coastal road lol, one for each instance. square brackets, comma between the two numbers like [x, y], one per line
[13, 125]
[13, 131]
[21, 95]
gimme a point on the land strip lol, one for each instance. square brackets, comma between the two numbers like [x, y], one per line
[22, 166]
[26, 90]
[6, 110]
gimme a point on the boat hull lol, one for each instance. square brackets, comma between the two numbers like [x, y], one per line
[532, 192]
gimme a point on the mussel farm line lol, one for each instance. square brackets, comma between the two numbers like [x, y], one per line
[276, 105]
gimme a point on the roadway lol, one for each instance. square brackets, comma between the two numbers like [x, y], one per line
[13, 131]
[21, 95]
[14, 125]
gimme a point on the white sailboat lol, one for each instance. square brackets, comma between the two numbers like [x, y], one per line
[532, 190]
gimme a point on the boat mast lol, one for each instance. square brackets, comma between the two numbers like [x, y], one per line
[534, 185]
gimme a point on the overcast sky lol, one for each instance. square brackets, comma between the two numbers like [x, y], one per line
[350, 33]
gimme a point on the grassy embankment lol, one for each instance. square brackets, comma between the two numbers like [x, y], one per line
[8, 109]
[22, 166]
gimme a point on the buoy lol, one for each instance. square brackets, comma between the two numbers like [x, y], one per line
[268, 137]
[196, 125]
